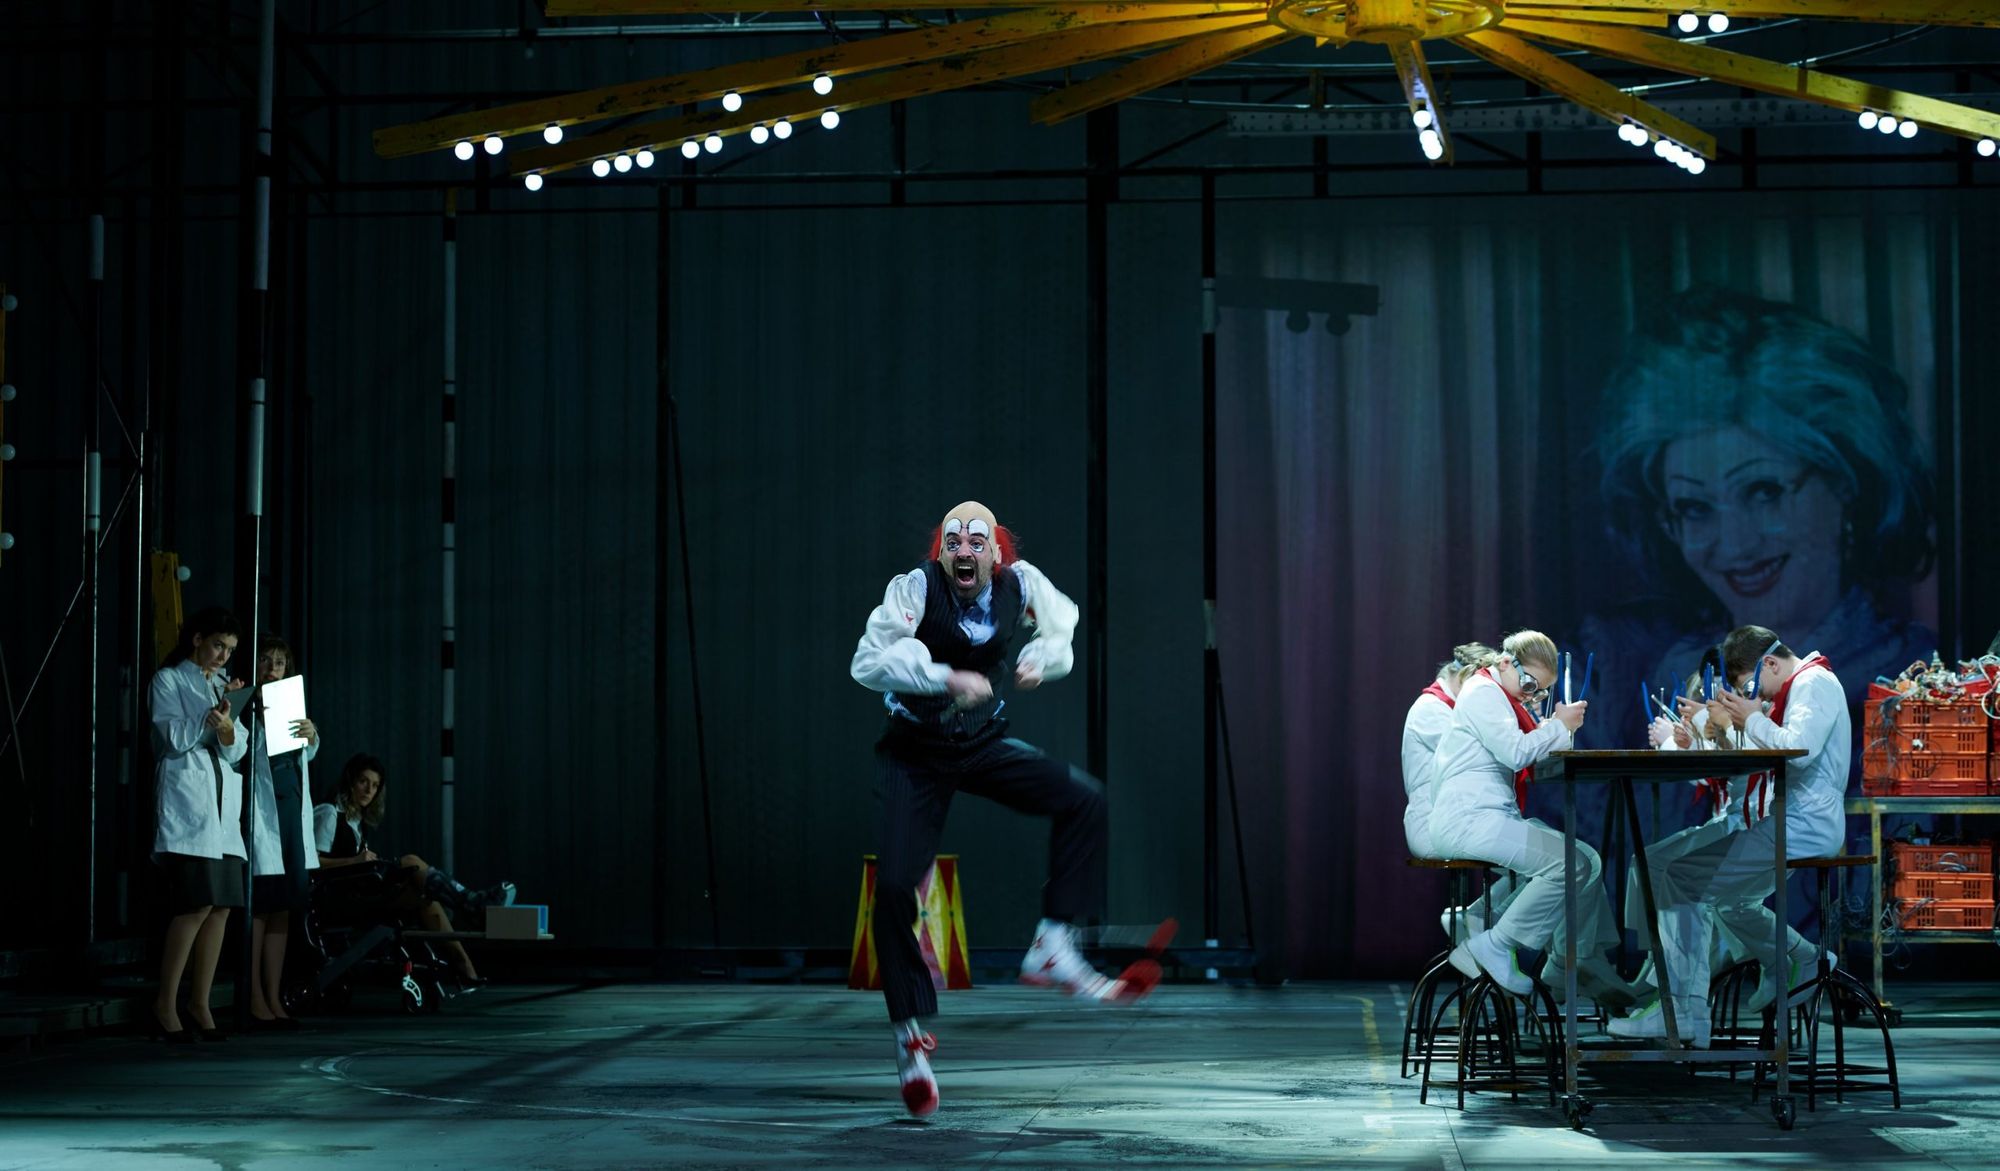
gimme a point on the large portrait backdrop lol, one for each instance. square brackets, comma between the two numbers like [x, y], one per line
[1629, 423]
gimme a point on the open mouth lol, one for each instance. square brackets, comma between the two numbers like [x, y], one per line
[1757, 579]
[965, 572]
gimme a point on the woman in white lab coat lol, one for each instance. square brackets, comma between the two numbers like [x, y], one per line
[198, 842]
[281, 845]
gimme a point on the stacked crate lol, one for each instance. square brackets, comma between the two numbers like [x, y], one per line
[1942, 888]
[1911, 748]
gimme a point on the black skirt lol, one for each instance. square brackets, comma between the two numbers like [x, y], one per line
[193, 883]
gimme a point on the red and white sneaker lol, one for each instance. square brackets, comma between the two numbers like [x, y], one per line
[1053, 961]
[920, 1088]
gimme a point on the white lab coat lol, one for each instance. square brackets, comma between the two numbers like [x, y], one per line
[269, 845]
[199, 795]
[890, 657]
[1425, 725]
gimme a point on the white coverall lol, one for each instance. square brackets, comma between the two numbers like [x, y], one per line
[1476, 817]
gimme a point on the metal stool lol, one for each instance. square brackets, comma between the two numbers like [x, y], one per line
[1845, 996]
[1417, 1020]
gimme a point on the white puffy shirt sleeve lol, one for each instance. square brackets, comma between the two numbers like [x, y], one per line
[1490, 718]
[1055, 625]
[325, 818]
[889, 656]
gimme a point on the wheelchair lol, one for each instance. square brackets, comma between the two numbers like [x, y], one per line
[357, 935]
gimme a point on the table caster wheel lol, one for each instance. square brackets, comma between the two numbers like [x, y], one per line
[1576, 1109]
[1785, 1112]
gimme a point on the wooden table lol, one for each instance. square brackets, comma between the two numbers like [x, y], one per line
[1622, 767]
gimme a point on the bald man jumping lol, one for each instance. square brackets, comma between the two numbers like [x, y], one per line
[948, 641]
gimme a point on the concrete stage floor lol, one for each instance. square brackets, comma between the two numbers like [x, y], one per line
[665, 1075]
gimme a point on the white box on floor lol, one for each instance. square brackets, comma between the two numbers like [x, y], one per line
[526, 921]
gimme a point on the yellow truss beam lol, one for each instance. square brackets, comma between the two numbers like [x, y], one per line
[1418, 89]
[1601, 97]
[1053, 51]
[1769, 77]
[1162, 68]
[696, 7]
[1555, 11]
[1976, 14]
[902, 48]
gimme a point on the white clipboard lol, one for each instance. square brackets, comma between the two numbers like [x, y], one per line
[284, 705]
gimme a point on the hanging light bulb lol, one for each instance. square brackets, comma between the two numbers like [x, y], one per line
[463, 150]
[532, 181]
[644, 158]
[1697, 165]
[600, 168]
[712, 143]
[1887, 124]
[1423, 117]
[552, 134]
[1867, 119]
[1986, 148]
[690, 149]
[623, 163]
[830, 119]
[732, 101]
[1908, 129]
[1718, 22]
[493, 144]
[1688, 22]
[782, 128]
[1662, 148]
[760, 134]
[1432, 145]
[823, 84]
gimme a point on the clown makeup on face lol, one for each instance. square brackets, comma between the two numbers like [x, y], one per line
[967, 554]
[1761, 529]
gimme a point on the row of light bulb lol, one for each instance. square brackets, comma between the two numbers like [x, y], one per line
[691, 149]
[1666, 148]
[1427, 133]
[553, 132]
[1888, 124]
[1688, 22]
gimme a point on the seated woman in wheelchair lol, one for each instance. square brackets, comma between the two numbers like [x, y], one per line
[407, 888]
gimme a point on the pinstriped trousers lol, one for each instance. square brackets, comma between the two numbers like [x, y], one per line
[919, 774]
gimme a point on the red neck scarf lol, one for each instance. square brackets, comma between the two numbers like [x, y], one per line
[1528, 724]
[1778, 702]
[1437, 691]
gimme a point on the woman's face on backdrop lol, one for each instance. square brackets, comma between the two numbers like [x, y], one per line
[1759, 527]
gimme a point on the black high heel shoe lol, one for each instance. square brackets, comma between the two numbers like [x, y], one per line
[160, 1032]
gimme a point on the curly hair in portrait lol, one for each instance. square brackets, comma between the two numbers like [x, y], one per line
[1799, 388]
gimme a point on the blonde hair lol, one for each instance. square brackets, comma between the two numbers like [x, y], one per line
[1465, 660]
[1531, 646]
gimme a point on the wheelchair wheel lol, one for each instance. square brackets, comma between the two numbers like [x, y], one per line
[434, 995]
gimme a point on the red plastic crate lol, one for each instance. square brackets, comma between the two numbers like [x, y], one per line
[1919, 916]
[1966, 858]
[1880, 764]
[1949, 888]
[1912, 715]
[1893, 787]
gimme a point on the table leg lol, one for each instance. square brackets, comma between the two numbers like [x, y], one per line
[1781, 1102]
[1875, 899]
[1571, 1051]
[1652, 915]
